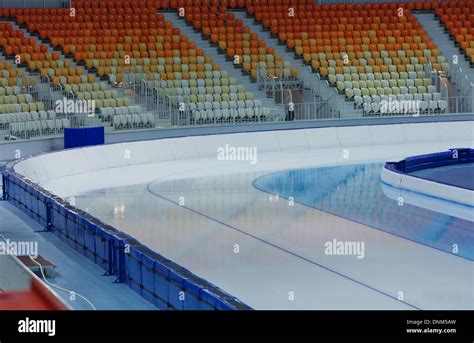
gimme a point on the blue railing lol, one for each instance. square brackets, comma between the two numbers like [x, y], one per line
[157, 279]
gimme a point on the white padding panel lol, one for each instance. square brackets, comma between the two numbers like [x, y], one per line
[184, 148]
[386, 134]
[413, 149]
[54, 164]
[456, 131]
[353, 153]
[95, 157]
[292, 140]
[135, 153]
[264, 141]
[208, 145]
[76, 162]
[25, 170]
[354, 136]
[388, 152]
[37, 173]
[358, 143]
[422, 132]
[159, 150]
[114, 154]
[322, 138]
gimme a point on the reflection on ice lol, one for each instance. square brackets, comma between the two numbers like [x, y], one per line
[355, 192]
[270, 252]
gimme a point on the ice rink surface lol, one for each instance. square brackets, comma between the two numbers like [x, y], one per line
[207, 216]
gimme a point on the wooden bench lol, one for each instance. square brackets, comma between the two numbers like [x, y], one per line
[48, 267]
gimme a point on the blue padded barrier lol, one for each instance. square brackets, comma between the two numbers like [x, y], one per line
[26, 199]
[29, 203]
[161, 286]
[222, 301]
[207, 300]
[133, 266]
[177, 293]
[58, 221]
[119, 244]
[102, 239]
[80, 234]
[148, 277]
[90, 242]
[21, 193]
[194, 287]
[32, 203]
[162, 282]
[66, 210]
[113, 247]
[43, 208]
[440, 159]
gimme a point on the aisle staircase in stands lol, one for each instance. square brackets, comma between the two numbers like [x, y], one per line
[448, 49]
[276, 110]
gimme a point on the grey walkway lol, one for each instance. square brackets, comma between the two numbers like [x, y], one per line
[74, 272]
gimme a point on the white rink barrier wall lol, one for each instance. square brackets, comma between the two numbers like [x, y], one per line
[43, 168]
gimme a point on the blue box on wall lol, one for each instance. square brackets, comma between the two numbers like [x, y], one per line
[80, 137]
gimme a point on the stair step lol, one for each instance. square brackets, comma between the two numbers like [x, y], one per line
[444, 42]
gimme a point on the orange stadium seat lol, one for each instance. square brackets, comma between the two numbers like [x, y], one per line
[363, 49]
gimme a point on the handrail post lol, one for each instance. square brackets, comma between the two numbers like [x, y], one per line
[282, 91]
[472, 97]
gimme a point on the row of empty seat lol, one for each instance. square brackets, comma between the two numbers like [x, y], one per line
[29, 129]
[7, 90]
[202, 90]
[337, 9]
[7, 118]
[230, 114]
[24, 107]
[14, 97]
[401, 104]
[133, 121]
[108, 113]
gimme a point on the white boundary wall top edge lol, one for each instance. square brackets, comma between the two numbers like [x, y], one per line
[54, 165]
